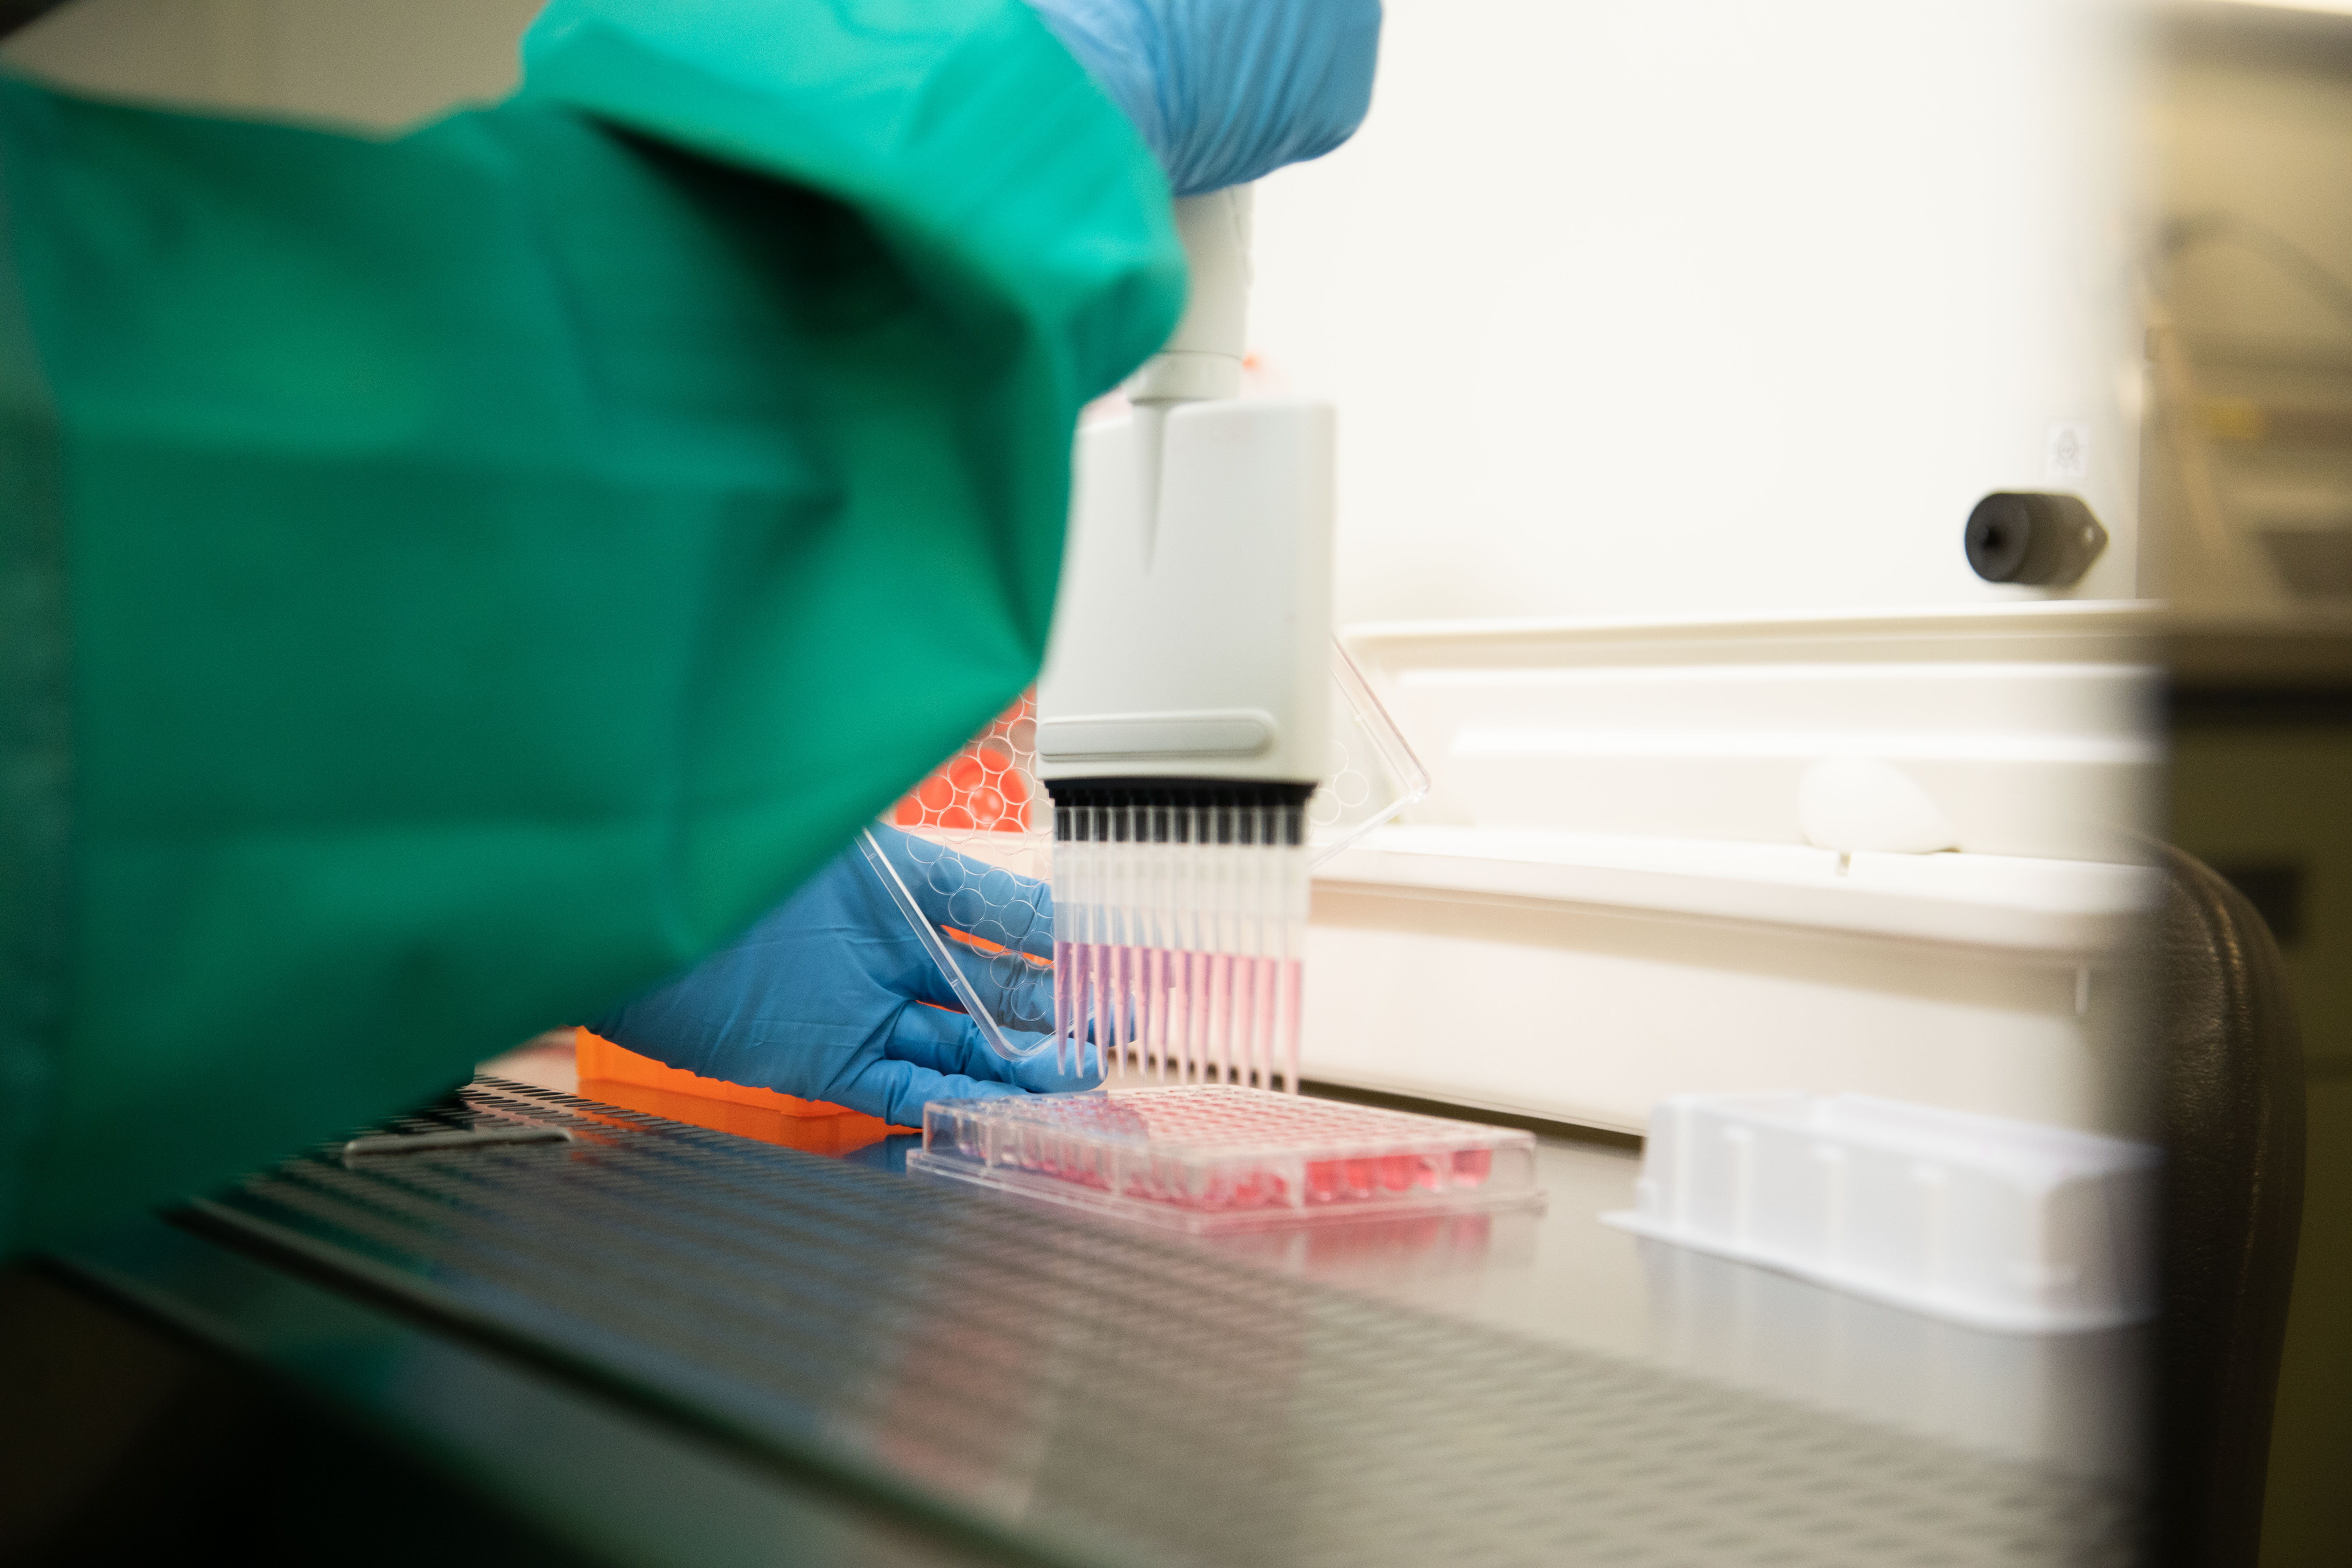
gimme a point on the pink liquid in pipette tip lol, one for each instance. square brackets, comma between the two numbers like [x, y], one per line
[1156, 964]
[1220, 975]
[1085, 1004]
[1261, 1019]
[1112, 1014]
[1237, 978]
[1163, 1014]
[1245, 1020]
[1122, 1003]
[1172, 991]
[1082, 1005]
[1078, 1005]
[1061, 1003]
[1291, 981]
[1180, 1006]
[1139, 1006]
[1102, 967]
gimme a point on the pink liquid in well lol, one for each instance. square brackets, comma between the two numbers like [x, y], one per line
[1186, 1149]
[1203, 1017]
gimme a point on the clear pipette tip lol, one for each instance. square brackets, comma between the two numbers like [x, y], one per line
[1179, 916]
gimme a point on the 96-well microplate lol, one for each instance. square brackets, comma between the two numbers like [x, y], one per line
[1215, 1157]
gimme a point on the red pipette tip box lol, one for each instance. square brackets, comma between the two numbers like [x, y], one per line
[1220, 1157]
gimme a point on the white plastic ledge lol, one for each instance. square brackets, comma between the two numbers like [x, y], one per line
[2079, 909]
[2007, 1226]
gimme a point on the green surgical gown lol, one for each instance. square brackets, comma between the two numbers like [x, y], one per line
[448, 582]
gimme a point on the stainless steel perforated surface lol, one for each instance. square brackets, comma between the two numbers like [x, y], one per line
[1097, 1395]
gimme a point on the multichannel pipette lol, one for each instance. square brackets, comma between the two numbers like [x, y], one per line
[1180, 910]
[1184, 711]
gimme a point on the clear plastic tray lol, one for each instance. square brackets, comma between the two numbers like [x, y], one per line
[1220, 1157]
[2007, 1226]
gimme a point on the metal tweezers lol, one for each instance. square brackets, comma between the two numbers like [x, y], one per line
[417, 1142]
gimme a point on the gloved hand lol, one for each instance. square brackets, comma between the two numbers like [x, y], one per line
[825, 998]
[1227, 90]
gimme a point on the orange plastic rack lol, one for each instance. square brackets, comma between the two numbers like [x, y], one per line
[620, 1076]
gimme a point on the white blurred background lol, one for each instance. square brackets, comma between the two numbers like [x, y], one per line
[1701, 305]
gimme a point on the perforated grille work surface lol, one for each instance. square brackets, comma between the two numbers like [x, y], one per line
[1099, 1395]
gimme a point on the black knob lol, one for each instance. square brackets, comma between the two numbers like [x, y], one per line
[2028, 536]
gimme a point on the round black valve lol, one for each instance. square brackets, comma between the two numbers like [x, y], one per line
[2030, 536]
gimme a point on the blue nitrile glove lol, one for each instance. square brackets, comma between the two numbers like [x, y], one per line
[1227, 90]
[823, 998]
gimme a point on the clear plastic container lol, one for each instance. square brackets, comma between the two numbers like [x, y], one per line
[979, 853]
[1220, 1157]
[1372, 775]
[2000, 1224]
